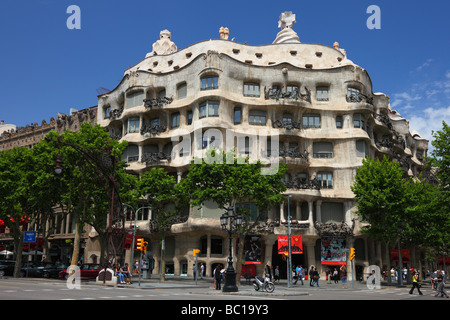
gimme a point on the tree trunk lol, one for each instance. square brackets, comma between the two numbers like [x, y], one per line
[18, 248]
[76, 242]
[239, 255]
[163, 263]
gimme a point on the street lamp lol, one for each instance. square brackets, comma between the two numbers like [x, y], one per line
[58, 168]
[234, 222]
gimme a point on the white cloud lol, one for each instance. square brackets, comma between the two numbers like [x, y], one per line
[429, 120]
[399, 99]
[424, 65]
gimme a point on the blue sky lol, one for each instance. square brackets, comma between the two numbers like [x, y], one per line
[47, 68]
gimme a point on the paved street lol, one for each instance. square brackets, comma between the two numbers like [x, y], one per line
[45, 289]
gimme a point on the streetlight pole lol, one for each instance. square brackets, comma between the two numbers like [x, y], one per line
[289, 261]
[234, 223]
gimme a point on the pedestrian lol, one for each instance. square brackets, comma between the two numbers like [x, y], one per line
[440, 285]
[311, 274]
[277, 274]
[300, 273]
[118, 273]
[344, 277]
[315, 276]
[415, 283]
[202, 270]
[335, 276]
[126, 273]
[328, 274]
[217, 277]
[194, 271]
[136, 267]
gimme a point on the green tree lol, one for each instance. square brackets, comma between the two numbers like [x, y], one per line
[89, 179]
[232, 181]
[166, 200]
[381, 195]
[27, 192]
[440, 160]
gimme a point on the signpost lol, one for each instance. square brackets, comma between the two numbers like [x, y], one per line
[29, 236]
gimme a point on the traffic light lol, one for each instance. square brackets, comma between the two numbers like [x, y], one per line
[144, 248]
[352, 253]
[195, 252]
[140, 244]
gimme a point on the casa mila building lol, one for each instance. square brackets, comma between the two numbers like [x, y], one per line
[320, 117]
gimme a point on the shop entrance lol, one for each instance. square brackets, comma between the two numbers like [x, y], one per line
[277, 260]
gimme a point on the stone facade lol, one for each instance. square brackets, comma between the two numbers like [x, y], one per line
[313, 100]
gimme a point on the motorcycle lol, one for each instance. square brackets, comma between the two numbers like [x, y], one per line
[263, 284]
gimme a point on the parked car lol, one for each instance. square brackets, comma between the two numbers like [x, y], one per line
[87, 271]
[7, 267]
[34, 269]
[53, 271]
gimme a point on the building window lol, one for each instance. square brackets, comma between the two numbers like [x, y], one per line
[135, 99]
[325, 179]
[189, 117]
[208, 141]
[131, 153]
[133, 125]
[175, 120]
[353, 94]
[322, 93]
[292, 89]
[302, 177]
[311, 120]
[251, 89]
[182, 90]
[237, 115]
[359, 121]
[107, 112]
[322, 150]
[257, 117]
[209, 108]
[244, 145]
[361, 149]
[210, 82]
[339, 122]
[287, 118]
[162, 93]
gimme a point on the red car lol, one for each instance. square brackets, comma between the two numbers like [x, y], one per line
[87, 271]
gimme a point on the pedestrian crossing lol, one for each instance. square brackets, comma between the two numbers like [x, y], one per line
[397, 292]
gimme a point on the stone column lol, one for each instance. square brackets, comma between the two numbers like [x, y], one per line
[318, 210]
[298, 210]
[282, 212]
[311, 215]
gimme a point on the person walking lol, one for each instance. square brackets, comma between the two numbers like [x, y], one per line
[300, 273]
[335, 276]
[415, 282]
[276, 274]
[315, 277]
[217, 277]
[311, 274]
[440, 289]
[344, 277]
[194, 271]
[202, 270]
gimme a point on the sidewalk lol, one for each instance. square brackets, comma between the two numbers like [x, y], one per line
[243, 289]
